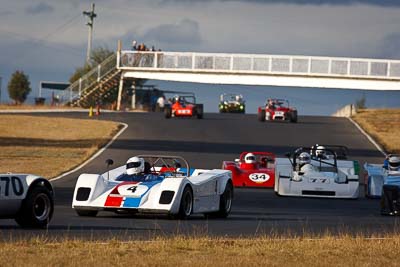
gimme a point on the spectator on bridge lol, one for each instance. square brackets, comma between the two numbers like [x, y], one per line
[134, 45]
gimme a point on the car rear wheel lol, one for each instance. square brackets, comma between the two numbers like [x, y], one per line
[293, 116]
[199, 111]
[86, 213]
[261, 115]
[167, 112]
[37, 208]
[225, 203]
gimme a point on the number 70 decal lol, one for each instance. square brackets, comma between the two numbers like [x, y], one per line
[11, 185]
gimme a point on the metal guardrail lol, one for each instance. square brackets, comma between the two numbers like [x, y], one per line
[261, 64]
[76, 89]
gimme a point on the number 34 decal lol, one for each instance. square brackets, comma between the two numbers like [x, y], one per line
[11, 186]
[259, 177]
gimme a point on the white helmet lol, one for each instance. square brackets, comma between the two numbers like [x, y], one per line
[250, 158]
[134, 165]
[304, 158]
[320, 152]
[394, 163]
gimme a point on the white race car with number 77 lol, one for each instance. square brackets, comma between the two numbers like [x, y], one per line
[308, 174]
[155, 184]
[27, 198]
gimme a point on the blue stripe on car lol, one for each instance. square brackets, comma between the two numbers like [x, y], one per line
[134, 202]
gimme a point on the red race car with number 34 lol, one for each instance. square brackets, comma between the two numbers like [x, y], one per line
[252, 169]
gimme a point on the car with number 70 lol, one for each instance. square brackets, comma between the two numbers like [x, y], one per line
[27, 198]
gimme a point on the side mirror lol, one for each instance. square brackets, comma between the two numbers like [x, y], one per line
[237, 160]
[109, 162]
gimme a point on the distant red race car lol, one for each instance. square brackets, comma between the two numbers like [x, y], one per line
[252, 169]
[184, 106]
[277, 110]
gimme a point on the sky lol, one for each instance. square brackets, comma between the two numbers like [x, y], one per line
[48, 39]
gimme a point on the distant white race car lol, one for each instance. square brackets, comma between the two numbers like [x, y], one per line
[324, 176]
[27, 198]
[378, 175]
[164, 188]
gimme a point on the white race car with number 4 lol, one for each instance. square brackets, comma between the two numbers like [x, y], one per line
[164, 188]
[27, 198]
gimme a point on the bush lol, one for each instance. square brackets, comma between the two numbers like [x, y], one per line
[19, 87]
[360, 103]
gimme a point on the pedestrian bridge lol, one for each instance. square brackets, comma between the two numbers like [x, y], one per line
[219, 68]
[257, 69]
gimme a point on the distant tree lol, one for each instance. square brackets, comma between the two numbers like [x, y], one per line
[97, 56]
[360, 103]
[19, 87]
[79, 72]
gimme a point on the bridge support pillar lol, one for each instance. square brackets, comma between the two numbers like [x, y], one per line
[121, 86]
[133, 104]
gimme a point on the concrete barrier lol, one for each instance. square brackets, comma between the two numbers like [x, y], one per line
[346, 111]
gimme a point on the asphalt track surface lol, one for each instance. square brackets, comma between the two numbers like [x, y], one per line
[205, 144]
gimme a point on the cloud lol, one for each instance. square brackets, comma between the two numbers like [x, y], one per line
[39, 9]
[385, 3]
[5, 13]
[185, 31]
[389, 47]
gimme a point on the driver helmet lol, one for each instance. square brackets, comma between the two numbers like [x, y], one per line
[238, 98]
[320, 152]
[250, 158]
[135, 165]
[176, 98]
[304, 158]
[394, 163]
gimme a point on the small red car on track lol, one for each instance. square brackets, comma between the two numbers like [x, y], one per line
[277, 110]
[252, 169]
[184, 106]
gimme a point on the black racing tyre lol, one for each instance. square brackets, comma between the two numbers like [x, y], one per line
[186, 206]
[167, 112]
[37, 208]
[293, 116]
[199, 111]
[261, 115]
[86, 213]
[225, 203]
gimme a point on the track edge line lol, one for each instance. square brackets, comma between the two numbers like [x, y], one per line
[368, 137]
[93, 156]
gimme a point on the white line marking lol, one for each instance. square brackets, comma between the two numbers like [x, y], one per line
[368, 137]
[94, 156]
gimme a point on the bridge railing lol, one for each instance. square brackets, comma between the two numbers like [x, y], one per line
[261, 64]
[86, 81]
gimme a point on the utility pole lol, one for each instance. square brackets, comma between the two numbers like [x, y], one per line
[91, 15]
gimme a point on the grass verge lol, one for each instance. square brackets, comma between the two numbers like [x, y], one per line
[383, 125]
[49, 146]
[186, 251]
